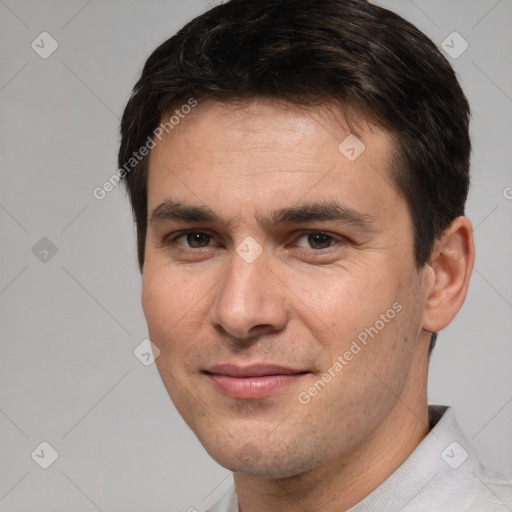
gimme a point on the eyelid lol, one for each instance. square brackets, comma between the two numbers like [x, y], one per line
[179, 234]
[335, 237]
[169, 240]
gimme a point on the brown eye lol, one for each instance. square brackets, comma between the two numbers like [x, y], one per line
[194, 240]
[319, 240]
[198, 239]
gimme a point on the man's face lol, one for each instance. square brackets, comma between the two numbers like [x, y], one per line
[247, 327]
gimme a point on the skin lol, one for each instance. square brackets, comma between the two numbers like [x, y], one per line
[300, 304]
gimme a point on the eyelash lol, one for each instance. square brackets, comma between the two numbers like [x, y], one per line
[172, 240]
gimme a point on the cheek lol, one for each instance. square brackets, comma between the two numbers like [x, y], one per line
[176, 304]
[170, 308]
[167, 299]
[342, 302]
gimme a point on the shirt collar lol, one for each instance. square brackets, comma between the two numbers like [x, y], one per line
[443, 450]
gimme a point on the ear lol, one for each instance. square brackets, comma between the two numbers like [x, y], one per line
[448, 273]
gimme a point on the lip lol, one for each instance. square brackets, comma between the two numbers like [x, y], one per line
[254, 381]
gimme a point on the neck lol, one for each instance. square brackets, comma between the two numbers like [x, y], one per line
[342, 482]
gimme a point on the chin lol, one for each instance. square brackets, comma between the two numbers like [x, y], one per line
[266, 461]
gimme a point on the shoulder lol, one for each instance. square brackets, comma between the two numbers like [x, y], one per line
[493, 491]
[460, 482]
[479, 490]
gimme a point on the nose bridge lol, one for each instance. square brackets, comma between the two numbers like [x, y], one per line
[241, 277]
[247, 298]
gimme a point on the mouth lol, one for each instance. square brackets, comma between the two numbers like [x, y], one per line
[252, 382]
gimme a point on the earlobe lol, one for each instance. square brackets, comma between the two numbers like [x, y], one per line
[450, 269]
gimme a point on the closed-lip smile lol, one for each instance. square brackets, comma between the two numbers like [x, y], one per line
[253, 381]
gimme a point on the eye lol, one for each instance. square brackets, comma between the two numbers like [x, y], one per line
[193, 239]
[316, 240]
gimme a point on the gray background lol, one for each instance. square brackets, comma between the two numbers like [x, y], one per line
[70, 323]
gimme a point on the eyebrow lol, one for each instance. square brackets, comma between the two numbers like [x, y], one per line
[171, 210]
[322, 211]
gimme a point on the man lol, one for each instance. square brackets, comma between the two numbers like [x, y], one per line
[298, 172]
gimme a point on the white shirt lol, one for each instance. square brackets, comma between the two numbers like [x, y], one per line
[442, 474]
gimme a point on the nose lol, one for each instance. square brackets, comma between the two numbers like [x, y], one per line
[250, 300]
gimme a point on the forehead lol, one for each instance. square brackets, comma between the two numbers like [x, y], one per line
[277, 120]
[269, 153]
